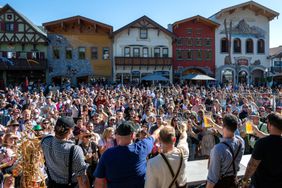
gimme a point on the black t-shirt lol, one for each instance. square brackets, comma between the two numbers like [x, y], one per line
[269, 172]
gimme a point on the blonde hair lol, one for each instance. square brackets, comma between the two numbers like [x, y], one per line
[107, 132]
[167, 134]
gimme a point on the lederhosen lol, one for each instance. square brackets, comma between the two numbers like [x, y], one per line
[229, 181]
[51, 183]
[174, 176]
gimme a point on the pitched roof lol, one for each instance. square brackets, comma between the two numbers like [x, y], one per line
[252, 5]
[78, 17]
[36, 28]
[148, 20]
[198, 18]
[277, 51]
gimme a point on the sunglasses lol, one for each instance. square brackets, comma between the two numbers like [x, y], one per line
[15, 125]
[88, 136]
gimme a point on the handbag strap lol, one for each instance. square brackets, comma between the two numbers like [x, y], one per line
[233, 157]
[171, 171]
[70, 164]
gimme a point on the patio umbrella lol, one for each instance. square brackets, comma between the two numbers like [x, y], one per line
[154, 77]
[197, 77]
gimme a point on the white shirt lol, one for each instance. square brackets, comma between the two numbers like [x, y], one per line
[158, 174]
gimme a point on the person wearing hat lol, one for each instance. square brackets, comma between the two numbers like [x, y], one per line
[90, 151]
[64, 160]
[38, 131]
[14, 128]
[111, 122]
[125, 165]
[253, 138]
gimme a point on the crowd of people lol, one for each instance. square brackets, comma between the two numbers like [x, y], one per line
[126, 136]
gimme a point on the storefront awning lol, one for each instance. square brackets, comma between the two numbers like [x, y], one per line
[197, 77]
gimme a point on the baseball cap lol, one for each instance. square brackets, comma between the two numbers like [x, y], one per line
[65, 122]
[254, 113]
[124, 129]
[37, 128]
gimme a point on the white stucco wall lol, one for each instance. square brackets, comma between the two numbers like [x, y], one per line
[252, 20]
[131, 38]
[123, 39]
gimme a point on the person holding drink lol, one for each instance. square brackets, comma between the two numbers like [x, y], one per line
[265, 166]
[208, 140]
[251, 125]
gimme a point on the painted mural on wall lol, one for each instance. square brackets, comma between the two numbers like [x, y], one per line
[244, 29]
[69, 68]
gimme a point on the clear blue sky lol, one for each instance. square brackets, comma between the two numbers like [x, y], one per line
[121, 12]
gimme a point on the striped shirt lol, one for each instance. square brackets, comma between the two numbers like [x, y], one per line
[56, 153]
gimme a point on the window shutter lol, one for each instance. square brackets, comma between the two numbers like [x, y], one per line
[15, 27]
[3, 26]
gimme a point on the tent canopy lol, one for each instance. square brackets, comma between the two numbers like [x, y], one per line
[197, 77]
[154, 77]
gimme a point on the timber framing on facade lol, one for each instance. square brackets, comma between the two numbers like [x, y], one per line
[24, 30]
[144, 22]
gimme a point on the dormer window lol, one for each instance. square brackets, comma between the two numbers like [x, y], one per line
[143, 33]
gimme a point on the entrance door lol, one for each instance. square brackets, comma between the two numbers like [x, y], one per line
[243, 78]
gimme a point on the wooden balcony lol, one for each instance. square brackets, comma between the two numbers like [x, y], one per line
[276, 69]
[22, 64]
[143, 61]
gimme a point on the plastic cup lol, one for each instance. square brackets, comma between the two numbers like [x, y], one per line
[206, 121]
[249, 127]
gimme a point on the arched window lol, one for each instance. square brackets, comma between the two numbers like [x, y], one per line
[249, 46]
[224, 45]
[260, 46]
[237, 45]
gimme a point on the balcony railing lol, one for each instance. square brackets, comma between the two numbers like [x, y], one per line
[22, 64]
[276, 69]
[143, 61]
